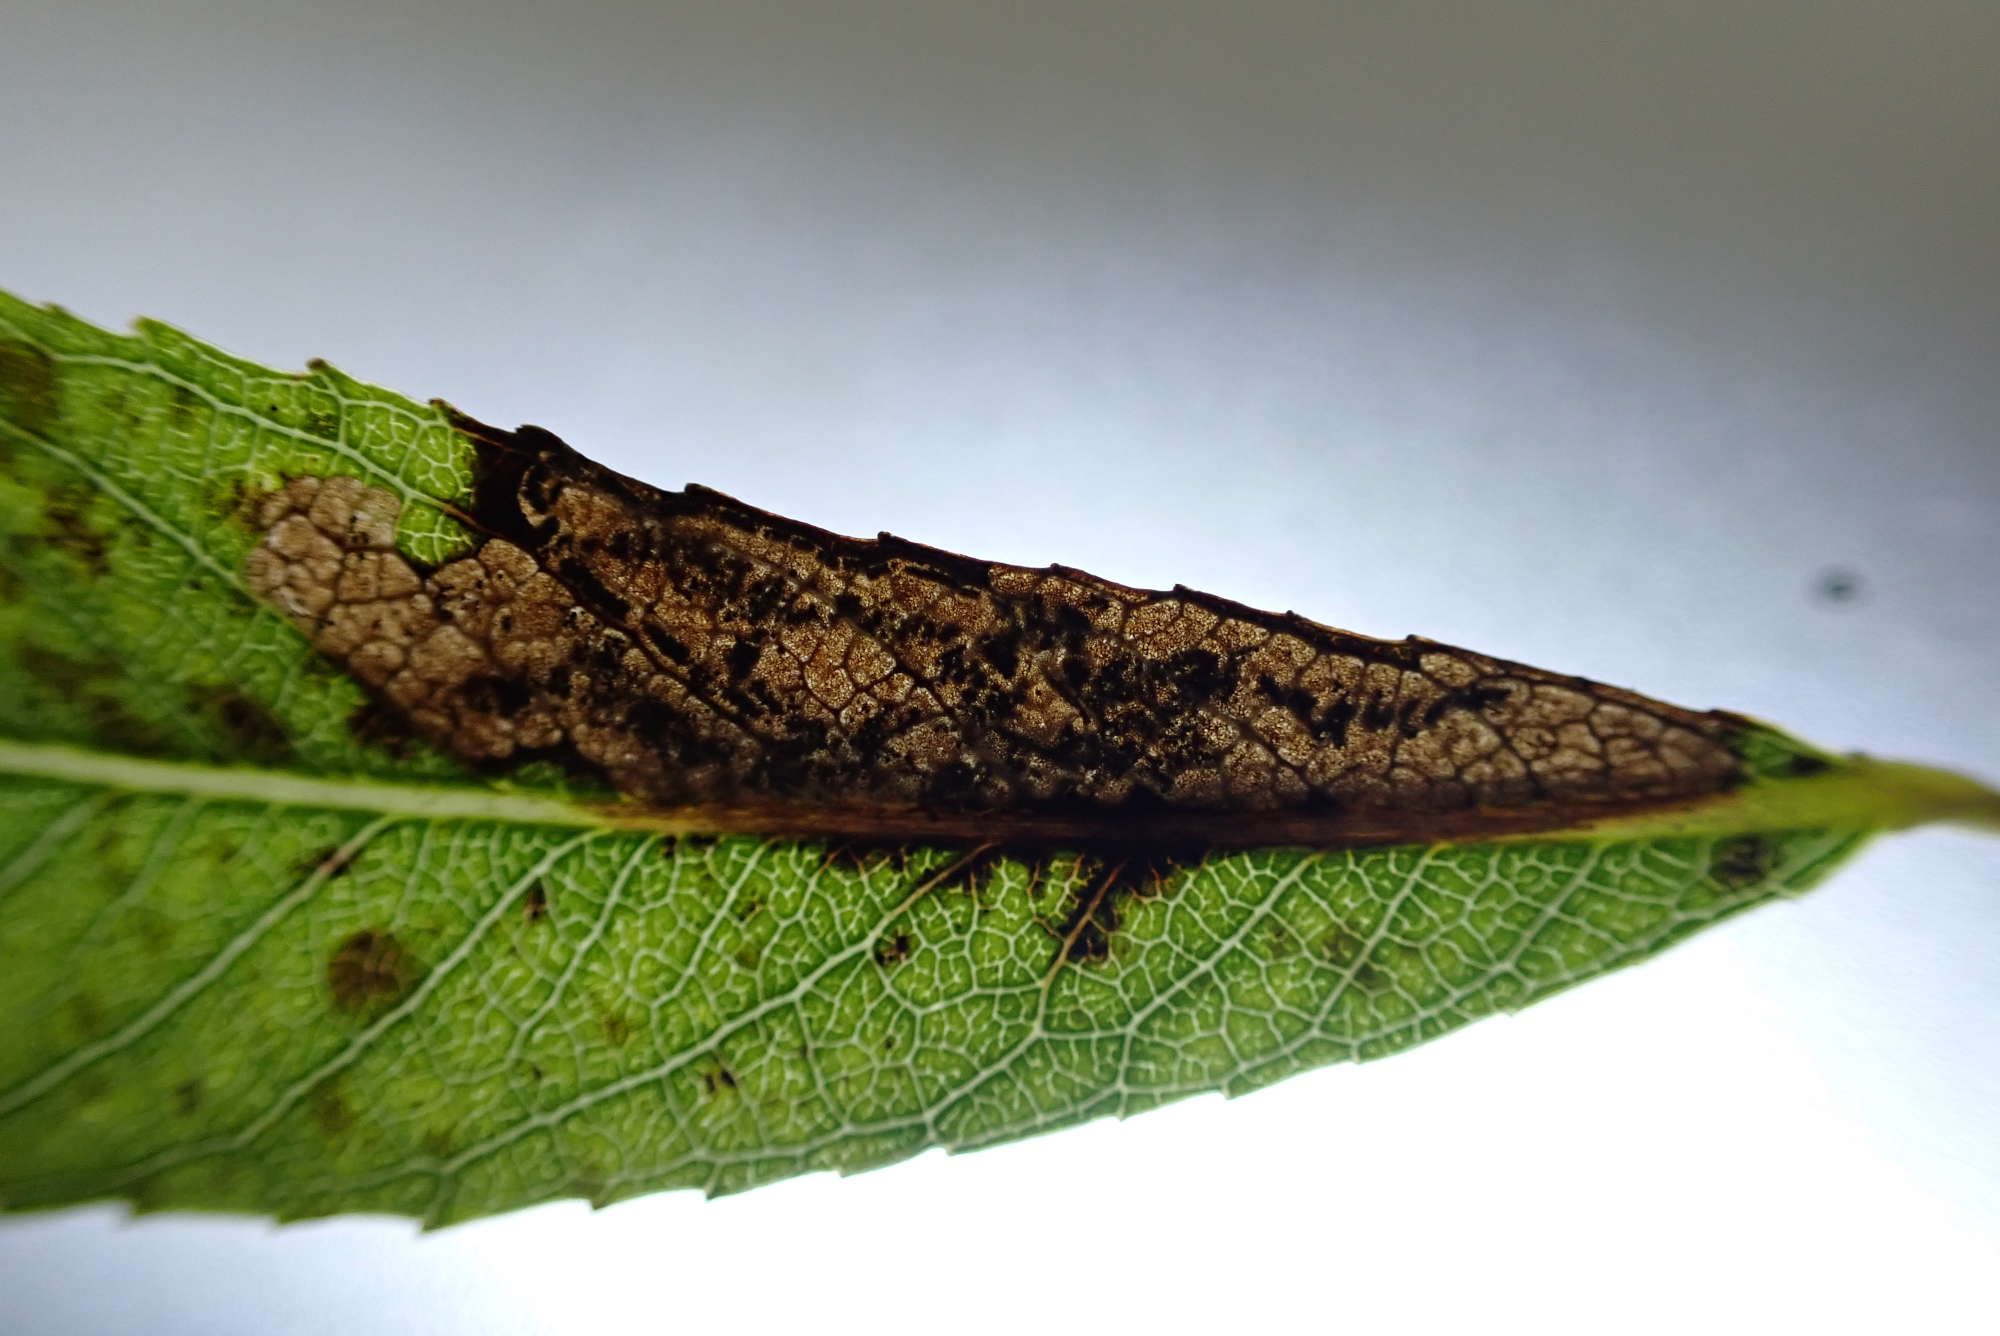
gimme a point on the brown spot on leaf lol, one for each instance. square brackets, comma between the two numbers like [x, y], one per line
[863, 858]
[184, 406]
[253, 732]
[1742, 861]
[972, 872]
[96, 685]
[329, 863]
[893, 950]
[27, 387]
[1038, 878]
[155, 930]
[1345, 951]
[617, 1029]
[369, 971]
[235, 499]
[673, 846]
[328, 1107]
[56, 671]
[375, 723]
[718, 1078]
[69, 529]
[112, 723]
[1102, 889]
[86, 1013]
[187, 1097]
[535, 904]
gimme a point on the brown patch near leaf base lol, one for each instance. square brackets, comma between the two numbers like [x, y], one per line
[775, 678]
[369, 971]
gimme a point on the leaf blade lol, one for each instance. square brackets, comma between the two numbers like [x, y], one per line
[271, 966]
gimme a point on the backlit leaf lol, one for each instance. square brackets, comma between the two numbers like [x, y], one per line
[398, 814]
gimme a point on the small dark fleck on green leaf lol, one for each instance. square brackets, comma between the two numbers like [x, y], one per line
[1742, 861]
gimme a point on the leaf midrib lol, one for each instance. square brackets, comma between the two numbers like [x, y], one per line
[281, 788]
[1859, 793]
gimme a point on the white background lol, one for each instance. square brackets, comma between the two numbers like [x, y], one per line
[1590, 335]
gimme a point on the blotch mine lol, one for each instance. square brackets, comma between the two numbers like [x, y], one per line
[691, 651]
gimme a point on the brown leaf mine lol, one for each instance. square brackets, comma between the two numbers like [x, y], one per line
[704, 655]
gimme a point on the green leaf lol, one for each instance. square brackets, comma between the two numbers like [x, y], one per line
[267, 948]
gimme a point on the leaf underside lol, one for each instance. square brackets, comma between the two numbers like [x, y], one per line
[260, 953]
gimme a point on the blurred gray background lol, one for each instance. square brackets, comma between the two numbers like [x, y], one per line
[1655, 342]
